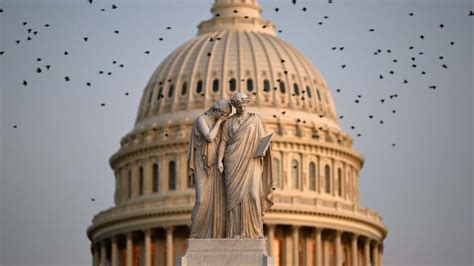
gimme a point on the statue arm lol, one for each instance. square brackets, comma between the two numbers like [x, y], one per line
[221, 148]
[211, 134]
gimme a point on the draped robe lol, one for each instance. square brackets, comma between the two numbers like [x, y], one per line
[248, 181]
[208, 215]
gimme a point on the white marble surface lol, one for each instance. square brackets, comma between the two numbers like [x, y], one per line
[229, 252]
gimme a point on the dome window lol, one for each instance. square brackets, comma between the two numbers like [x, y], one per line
[277, 171]
[327, 179]
[295, 175]
[160, 94]
[215, 85]
[184, 88]
[140, 180]
[129, 184]
[172, 175]
[266, 85]
[150, 97]
[171, 91]
[199, 87]
[232, 85]
[309, 92]
[319, 94]
[282, 87]
[249, 84]
[312, 176]
[339, 182]
[156, 178]
[296, 89]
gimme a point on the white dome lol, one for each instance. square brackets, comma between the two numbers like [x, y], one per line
[236, 52]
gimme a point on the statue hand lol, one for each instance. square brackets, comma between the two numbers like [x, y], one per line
[221, 167]
[223, 118]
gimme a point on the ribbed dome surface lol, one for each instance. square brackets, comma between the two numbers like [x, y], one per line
[247, 57]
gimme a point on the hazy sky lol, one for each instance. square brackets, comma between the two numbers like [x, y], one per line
[57, 157]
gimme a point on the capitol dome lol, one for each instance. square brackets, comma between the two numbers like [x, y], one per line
[317, 218]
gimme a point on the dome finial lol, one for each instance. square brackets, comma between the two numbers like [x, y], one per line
[236, 15]
[236, 8]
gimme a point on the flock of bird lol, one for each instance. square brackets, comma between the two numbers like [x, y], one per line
[32, 32]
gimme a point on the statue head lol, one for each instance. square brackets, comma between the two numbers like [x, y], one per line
[220, 108]
[240, 101]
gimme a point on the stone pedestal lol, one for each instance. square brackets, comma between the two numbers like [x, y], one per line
[228, 252]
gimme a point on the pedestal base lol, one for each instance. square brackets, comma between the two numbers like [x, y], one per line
[228, 252]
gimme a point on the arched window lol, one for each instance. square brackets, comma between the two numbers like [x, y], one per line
[232, 85]
[349, 188]
[140, 180]
[170, 91]
[215, 85]
[150, 96]
[156, 178]
[309, 92]
[129, 183]
[296, 89]
[172, 175]
[160, 94]
[199, 86]
[312, 176]
[339, 182]
[295, 177]
[319, 94]
[277, 171]
[184, 88]
[266, 85]
[249, 84]
[327, 179]
[282, 87]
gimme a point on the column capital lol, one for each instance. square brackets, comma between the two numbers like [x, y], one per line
[339, 233]
[271, 226]
[367, 240]
[355, 236]
[169, 228]
[318, 230]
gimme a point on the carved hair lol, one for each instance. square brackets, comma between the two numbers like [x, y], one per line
[239, 99]
[220, 105]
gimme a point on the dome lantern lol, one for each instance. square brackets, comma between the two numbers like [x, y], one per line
[236, 15]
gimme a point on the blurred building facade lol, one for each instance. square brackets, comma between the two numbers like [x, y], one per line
[317, 218]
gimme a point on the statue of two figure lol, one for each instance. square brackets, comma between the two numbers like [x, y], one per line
[232, 176]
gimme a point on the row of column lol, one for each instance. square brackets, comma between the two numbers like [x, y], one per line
[301, 172]
[372, 254]
[128, 177]
[99, 256]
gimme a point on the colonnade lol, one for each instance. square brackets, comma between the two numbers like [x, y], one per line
[304, 246]
[357, 250]
[105, 252]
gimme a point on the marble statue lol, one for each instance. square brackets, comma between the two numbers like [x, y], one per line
[208, 215]
[248, 178]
